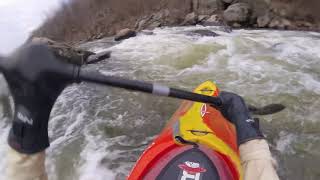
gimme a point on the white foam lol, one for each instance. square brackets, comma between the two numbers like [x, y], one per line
[91, 169]
[92, 156]
[4, 91]
[284, 143]
[4, 130]
[150, 47]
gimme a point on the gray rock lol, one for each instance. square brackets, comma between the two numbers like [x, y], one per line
[280, 23]
[304, 24]
[152, 21]
[190, 19]
[226, 29]
[236, 25]
[154, 24]
[125, 34]
[141, 24]
[207, 7]
[6, 106]
[263, 21]
[237, 13]
[159, 16]
[65, 51]
[228, 1]
[203, 33]
[202, 18]
[259, 7]
[147, 33]
[98, 57]
[214, 20]
[268, 2]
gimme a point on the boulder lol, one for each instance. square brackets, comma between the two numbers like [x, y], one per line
[236, 25]
[159, 16]
[207, 7]
[98, 57]
[202, 18]
[153, 21]
[190, 19]
[147, 32]
[263, 21]
[65, 51]
[214, 20]
[6, 107]
[228, 1]
[125, 34]
[280, 23]
[226, 29]
[154, 24]
[203, 32]
[304, 24]
[142, 23]
[237, 13]
[259, 7]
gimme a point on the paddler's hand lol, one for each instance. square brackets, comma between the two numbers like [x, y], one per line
[35, 78]
[236, 111]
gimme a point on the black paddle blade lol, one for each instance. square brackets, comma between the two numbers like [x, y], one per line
[98, 57]
[2, 64]
[266, 110]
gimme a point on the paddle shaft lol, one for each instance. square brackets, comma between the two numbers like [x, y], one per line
[156, 89]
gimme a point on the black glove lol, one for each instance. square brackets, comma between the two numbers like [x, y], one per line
[235, 110]
[36, 79]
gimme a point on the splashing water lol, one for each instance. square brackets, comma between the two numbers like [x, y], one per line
[100, 132]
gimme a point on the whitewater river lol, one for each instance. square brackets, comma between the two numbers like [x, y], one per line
[98, 132]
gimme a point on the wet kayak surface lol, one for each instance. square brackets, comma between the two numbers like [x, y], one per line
[98, 132]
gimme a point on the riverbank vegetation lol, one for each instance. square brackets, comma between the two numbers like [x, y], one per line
[83, 20]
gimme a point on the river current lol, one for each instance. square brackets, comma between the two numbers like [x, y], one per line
[98, 132]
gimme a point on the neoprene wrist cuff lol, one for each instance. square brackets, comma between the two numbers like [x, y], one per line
[22, 146]
[29, 131]
[248, 130]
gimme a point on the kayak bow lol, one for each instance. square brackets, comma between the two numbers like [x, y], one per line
[197, 143]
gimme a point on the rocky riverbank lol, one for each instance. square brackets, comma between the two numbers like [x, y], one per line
[84, 20]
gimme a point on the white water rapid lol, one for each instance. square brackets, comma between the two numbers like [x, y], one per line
[99, 132]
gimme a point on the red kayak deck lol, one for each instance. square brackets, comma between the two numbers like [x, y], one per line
[207, 135]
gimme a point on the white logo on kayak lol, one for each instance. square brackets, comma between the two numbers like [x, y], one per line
[25, 119]
[191, 170]
[204, 111]
[250, 120]
[187, 176]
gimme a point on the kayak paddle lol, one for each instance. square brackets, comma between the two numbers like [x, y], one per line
[142, 86]
[160, 90]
